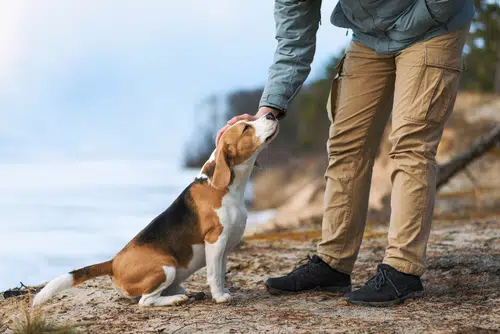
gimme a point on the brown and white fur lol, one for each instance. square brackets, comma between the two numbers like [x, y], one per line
[199, 228]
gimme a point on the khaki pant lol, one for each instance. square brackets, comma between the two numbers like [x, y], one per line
[420, 84]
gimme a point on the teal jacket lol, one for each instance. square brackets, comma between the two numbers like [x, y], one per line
[386, 26]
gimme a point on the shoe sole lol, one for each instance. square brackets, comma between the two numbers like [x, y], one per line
[330, 289]
[413, 295]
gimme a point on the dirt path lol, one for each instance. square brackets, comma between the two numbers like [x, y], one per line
[462, 292]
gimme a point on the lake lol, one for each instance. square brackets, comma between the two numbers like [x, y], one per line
[60, 216]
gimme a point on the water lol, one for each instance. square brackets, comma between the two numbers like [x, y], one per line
[56, 217]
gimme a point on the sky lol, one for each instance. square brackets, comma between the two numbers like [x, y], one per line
[123, 80]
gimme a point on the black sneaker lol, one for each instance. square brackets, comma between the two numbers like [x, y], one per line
[313, 275]
[388, 287]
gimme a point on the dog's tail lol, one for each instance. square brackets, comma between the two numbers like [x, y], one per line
[72, 279]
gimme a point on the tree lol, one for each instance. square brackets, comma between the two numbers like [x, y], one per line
[201, 143]
[304, 131]
[482, 53]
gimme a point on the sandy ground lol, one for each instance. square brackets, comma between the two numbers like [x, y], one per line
[462, 292]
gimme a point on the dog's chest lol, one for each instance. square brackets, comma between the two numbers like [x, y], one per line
[233, 217]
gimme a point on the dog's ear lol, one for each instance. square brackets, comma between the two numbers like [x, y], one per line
[222, 173]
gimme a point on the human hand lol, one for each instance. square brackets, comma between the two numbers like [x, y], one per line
[246, 117]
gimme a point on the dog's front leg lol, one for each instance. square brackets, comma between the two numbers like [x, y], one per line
[214, 254]
[224, 270]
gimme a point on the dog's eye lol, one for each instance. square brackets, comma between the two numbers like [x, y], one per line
[246, 128]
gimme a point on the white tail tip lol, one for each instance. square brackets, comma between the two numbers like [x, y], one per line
[55, 286]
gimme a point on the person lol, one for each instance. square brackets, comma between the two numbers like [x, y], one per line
[404, 58]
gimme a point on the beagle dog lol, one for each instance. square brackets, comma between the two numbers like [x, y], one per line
[199, 228]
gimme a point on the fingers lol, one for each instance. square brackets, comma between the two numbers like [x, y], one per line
[219, 134]
[265, 110]
[244, 117]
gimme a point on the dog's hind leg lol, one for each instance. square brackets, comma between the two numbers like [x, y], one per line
[174, 289]
[156, 299]
[167, 300]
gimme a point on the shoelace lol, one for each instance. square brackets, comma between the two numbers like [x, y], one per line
[380, 279]
[301, 264]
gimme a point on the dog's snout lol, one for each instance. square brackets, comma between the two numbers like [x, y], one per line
[271, 116]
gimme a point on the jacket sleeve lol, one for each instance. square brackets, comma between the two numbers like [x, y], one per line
[297, 22]
[442, 10]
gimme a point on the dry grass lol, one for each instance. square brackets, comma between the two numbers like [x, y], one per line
[467, 216]
[285, 235]
[34, 321]
[303, 235]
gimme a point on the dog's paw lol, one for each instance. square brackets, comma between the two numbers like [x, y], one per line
[223, 298]
[179, 299]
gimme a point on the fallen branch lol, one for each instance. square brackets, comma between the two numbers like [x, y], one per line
[461, 161]
[22, 290]
[448, 170]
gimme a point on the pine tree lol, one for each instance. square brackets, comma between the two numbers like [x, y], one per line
[483, 49]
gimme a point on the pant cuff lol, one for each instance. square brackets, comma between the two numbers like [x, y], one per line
[405, 266]
[334, 263]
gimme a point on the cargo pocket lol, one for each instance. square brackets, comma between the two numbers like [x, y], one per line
[331, 104]
[437, 85]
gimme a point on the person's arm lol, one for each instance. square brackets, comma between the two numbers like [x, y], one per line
[297, 22]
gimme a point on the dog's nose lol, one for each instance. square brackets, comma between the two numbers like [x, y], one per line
[271, 116]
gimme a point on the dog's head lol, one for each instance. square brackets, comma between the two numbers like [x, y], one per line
[239, 146]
